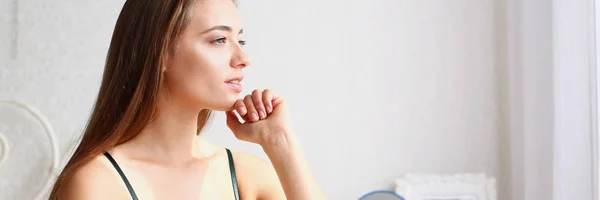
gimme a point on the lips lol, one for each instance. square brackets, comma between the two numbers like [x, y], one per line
[235, 80]
[234, 83]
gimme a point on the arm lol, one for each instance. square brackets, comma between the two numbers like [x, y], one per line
[292, 169]
[266, 123]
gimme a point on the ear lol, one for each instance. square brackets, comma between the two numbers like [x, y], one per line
[165, 65]
[167, 62]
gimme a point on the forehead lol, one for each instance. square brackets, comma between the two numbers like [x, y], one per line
[209, 13]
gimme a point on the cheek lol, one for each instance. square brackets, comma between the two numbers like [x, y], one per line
[198, 73]
[209, 67]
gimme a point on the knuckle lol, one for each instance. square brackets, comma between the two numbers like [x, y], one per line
[249, 103]
[239, 105]
[258, 103]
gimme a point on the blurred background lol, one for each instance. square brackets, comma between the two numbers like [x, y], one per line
[378, 89]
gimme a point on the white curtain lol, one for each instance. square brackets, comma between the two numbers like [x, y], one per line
[552, 99]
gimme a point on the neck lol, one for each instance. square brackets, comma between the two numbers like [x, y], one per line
[171, 137]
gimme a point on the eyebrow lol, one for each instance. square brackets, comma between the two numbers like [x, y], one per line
[222, 28]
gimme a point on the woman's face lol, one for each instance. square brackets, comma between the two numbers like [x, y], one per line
[206, 69]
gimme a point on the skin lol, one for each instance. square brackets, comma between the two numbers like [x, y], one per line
[167, 160]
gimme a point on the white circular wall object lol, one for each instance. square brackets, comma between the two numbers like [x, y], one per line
[30, 155]
[5, 149]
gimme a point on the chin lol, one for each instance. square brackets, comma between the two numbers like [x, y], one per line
[223, 108]
[225, 104]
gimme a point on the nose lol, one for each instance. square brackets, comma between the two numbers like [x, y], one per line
[240, 58]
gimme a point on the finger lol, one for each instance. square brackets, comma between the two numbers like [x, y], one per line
[258, 104]
[267, 100]
[276, 100]
[252, 114]
[240, 107]
[233, 121]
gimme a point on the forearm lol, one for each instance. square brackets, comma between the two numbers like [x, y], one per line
[292, 169]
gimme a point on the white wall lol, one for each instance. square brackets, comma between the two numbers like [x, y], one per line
[377, 88]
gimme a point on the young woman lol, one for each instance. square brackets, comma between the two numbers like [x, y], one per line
[170, 64]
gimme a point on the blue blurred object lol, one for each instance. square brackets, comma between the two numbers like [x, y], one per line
[381, 195]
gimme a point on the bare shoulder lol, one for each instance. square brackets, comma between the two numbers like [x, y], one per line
[257, 176]
[94, 180]
[249, 164]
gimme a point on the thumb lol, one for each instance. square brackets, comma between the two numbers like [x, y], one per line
[233, 122]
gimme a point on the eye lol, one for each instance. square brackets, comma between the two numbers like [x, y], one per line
[220, 40]
[242, 42]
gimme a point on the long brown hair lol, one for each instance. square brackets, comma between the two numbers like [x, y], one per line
[145, 36]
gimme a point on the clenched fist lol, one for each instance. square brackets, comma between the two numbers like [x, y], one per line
[264, 118]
